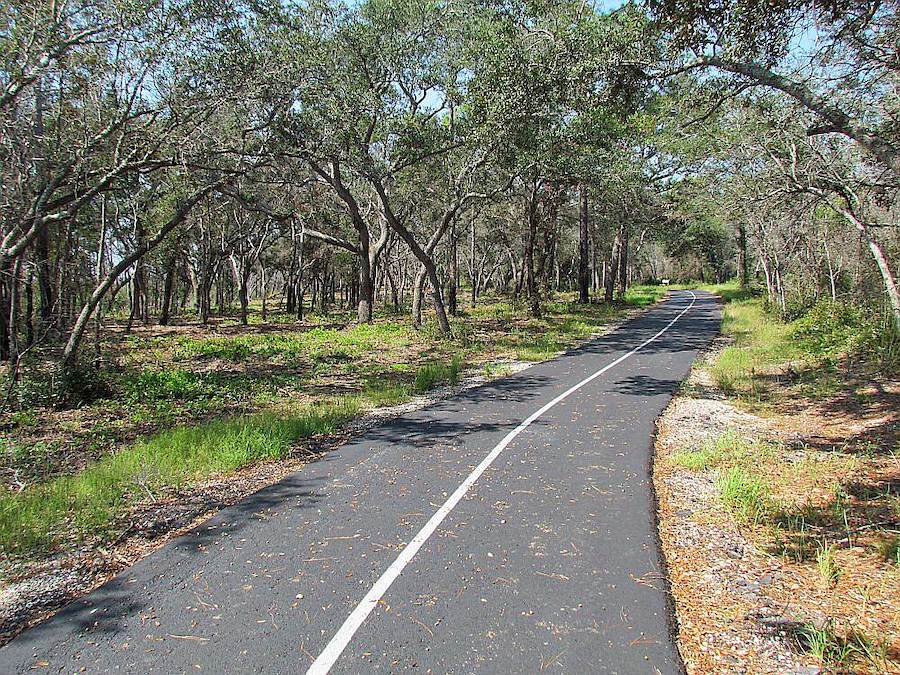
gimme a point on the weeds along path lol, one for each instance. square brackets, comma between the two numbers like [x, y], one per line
[549, 557]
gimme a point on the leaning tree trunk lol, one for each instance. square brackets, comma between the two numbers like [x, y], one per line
[422, 256]
[881, 261]
[70, 351]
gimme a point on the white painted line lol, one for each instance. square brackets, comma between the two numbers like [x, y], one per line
[341, 639]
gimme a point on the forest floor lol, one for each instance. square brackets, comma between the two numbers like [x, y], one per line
[187, 419]
[778, 479]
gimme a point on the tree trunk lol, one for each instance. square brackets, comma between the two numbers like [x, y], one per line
[745, 258]
[366, 287]
[29, 309]
[417, 290]
[168, 291]
[531, 285]
[612, 272]
[42, 240]
[453, 279]
[623, 264]
[264, 280]
[584, 280]
[474, 279]
[14, 350]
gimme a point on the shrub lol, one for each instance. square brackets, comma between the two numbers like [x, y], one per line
[163, 385]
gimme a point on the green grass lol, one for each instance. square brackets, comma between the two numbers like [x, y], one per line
[541, 347]
[840, 653]
[316, 344]
[379, 393]
[86, 505]
[745, 495]
[810, 345]
[697, 460]
[760, 342]
[433, 374]
[728, 449]
[828, 567]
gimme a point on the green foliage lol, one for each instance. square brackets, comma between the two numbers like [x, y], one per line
[833, 328]
[889, 550]
[840, 652]
[82, 383]
[164, 385]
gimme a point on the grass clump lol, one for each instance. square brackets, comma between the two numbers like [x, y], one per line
[493, 371]
[889, 550]
[172, 384]
[727, 449]
[433, 374]
[839, 652]
[828, 567]
[697, 460]
[87, 504]
[380, 393]
[745, 495]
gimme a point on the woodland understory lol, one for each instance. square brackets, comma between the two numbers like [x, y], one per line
[228, 229]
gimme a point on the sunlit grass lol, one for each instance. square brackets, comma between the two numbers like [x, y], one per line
[746, 495]
[433, 374]
[86, 505]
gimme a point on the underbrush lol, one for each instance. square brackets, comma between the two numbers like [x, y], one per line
[766, 351]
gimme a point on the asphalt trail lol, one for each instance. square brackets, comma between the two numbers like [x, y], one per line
[549, 561]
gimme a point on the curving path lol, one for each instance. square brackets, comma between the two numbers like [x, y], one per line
[508, 529]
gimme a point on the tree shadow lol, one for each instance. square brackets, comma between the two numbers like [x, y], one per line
[644, 385]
